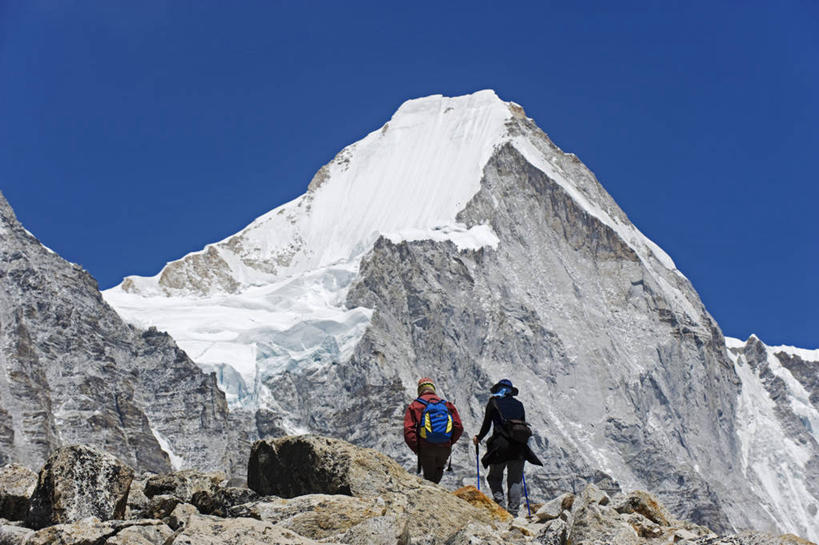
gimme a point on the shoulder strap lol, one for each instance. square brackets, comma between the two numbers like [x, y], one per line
[497, 408]
[422, 401]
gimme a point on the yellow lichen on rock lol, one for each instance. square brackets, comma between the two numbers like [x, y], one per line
[478, 499]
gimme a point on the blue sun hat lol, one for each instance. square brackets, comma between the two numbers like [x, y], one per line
[503, 388]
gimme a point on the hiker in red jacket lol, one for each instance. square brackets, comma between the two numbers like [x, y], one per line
[431, 427]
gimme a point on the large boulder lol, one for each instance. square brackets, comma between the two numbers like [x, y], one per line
[309, 464]
[16, 487]
[78, 482]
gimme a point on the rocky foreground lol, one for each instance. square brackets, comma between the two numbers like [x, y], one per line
[306, 490]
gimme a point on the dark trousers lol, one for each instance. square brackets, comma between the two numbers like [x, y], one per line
[433, 460]
[514, 484]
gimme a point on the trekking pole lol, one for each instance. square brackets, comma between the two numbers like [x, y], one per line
[478, 464]
[526, 494]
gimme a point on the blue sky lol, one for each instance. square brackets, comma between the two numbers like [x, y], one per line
[133, 133]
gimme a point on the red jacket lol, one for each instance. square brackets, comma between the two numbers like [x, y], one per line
[413, 415]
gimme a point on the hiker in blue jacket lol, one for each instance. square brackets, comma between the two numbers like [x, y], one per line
[507, 448]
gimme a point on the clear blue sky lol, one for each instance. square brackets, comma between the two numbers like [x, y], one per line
[134, 132]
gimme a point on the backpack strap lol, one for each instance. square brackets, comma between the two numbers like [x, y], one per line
[500, 412]
[422, 401]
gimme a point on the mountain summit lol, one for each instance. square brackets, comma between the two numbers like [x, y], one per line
[458, 241]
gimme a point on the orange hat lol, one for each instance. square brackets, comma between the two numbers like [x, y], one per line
[425, 384]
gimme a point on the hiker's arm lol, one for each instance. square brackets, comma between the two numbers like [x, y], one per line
[410, 431]
[487, 421]
[457, 425]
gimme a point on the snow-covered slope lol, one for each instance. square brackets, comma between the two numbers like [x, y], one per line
[416, 172]
[779, 427]
[458, 241]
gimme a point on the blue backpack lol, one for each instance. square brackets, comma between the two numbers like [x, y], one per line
[436, 422]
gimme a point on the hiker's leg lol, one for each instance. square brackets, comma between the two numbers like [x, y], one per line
[514, 480]
[495, 480]
[427, 463]
[433, 460]
[440, 457]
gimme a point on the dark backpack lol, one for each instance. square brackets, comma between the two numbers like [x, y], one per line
[436, 422]
[517, 431]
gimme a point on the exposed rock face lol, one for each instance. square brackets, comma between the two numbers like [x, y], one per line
[78, 482]
[71, 371]
[16, 487]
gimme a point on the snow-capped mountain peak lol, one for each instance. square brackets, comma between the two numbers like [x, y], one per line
[413, 174]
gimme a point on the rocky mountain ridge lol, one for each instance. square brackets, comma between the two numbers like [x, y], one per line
[71, 371]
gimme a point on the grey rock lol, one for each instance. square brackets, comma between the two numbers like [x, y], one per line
[92, 531]
[317, 516]
[594, 520]
[72, 372]
[591, 495]
[553, 508]
[481, 534]
[161, 506]
[145, 533]
[16, 487]
[641, 502]
[206, 530]
[14, 535]
[78, 482]
[219, 501]
[180, 515]
[184, 484]
[643, 526]
[137, 500]
[388, 530]
[554, 532]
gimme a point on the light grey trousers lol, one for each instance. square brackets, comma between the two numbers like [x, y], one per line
[514, 483]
